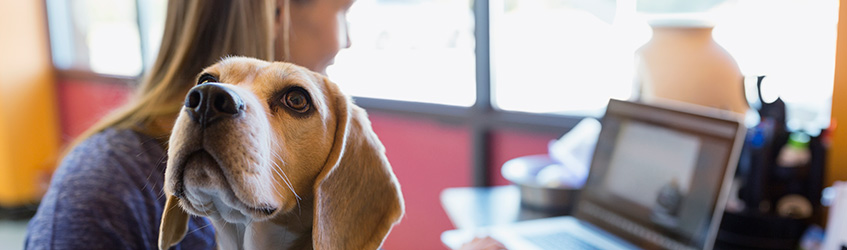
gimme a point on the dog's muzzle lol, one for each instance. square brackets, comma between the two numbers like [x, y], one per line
[211, 102]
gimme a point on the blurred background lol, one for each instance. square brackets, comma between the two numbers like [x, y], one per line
[455, 88]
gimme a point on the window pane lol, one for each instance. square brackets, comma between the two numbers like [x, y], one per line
[582, 51]
[97, 35]
[561, 56]
[796, 54]
[411, 50]
[152, 21]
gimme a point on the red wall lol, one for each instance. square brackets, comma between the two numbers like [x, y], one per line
[81, 104]
[427, 156]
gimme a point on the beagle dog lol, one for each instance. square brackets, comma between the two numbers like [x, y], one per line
[278, 158]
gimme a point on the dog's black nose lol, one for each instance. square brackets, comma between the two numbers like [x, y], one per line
[209, 102]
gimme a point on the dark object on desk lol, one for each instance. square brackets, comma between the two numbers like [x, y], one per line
[548, 199]
[780, 199]
[522, 172]
[759, 231]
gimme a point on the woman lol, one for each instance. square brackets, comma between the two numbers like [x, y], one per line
[107, 192]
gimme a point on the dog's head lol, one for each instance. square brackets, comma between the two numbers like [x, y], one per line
[254, 138]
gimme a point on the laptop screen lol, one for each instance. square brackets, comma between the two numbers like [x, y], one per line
[659, 176]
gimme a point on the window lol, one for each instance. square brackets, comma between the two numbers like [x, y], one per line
[152, 25]
[415, 50]
[105, 36]
[493, 63]
[554, 56]
[792, 43]
[583, 55]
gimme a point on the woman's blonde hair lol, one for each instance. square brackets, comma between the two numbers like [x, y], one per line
[197, 34]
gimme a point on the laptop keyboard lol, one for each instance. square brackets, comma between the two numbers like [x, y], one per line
[632, 227]
[559, 240]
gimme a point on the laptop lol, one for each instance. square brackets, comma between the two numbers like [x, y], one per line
[659, 179]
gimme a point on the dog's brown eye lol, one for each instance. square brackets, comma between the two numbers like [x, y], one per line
[297, 100]
[206, 78]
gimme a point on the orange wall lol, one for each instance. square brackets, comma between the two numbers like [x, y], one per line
[837, 169]
[28, 124]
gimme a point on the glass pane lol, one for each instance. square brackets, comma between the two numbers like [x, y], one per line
[562, 56]
[61, 40]
[796, 54]
[411, 50]
[152, 21]
[97, 35]
[581, 54]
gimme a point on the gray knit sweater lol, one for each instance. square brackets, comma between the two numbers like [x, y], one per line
[107, 194]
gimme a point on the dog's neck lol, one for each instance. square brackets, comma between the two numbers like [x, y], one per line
[258, 236]
[292, 230]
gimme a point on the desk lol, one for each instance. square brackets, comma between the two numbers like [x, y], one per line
[477, 207]
[474, 207]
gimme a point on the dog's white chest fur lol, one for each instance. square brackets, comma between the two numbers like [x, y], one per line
[268, 236]
[254, 236]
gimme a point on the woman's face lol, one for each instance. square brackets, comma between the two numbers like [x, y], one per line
[318, 32]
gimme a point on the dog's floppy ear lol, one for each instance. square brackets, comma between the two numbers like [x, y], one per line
[357, 196]
[174, 223]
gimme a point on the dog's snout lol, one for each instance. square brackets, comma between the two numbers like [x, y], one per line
[209, 102]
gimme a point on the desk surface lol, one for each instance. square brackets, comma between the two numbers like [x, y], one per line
[473, 207]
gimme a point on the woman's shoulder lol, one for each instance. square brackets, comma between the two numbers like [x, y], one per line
[106, 194]
[113, 162]
[114, 142]
[113, 151]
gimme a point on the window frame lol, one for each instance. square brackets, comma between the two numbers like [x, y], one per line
[482, 118]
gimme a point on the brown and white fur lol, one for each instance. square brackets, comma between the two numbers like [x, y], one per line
[278, 158]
